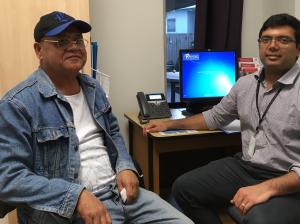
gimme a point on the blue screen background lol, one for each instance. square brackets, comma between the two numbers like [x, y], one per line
[207, 74]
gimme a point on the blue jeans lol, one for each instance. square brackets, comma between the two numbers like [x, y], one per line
[147, 208]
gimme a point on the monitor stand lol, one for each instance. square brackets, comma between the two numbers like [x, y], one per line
[195, 108]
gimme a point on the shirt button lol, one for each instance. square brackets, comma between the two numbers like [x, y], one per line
[76, 175]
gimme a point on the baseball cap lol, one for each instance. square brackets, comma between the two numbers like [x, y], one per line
[55, 23]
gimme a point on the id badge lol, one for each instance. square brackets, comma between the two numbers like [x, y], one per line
[251, 148]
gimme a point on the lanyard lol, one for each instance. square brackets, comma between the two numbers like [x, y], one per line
[268, 107]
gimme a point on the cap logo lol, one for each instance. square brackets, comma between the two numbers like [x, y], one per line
[61, 17]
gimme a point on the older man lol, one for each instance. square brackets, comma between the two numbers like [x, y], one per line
[62, 158]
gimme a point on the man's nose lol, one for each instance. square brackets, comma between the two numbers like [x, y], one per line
[273, 43]
[73, 43]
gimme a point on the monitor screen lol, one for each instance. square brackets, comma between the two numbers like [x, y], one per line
[206, 76]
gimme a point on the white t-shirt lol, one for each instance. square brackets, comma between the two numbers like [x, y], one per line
[95, 168]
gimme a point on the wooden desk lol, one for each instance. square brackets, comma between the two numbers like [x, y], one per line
[147, 149]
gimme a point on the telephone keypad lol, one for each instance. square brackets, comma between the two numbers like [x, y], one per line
[159, 109]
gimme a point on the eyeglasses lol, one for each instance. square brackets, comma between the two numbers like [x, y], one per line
[282, 41]
[65, 43]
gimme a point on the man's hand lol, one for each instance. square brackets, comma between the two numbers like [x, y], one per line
[195, 122]
[128, 180]
[247, 197]
[91, 209]
[155, 126]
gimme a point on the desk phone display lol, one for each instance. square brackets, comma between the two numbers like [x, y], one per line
[152, 106]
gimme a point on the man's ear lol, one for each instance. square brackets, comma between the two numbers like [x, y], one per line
[298, 47]
[38, 50]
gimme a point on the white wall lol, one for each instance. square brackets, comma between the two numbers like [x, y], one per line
[297, 9]
[254, 14]
[131, 44]
[130, 35]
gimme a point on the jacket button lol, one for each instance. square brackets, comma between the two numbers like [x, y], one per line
[76, 175]
[76, 148]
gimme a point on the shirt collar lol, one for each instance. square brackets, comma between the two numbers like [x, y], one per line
[45, 85]
[287, 79]
[47, 88]
[290, 77]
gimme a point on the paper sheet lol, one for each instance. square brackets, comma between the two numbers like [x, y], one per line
[176, 132]
[234, 126]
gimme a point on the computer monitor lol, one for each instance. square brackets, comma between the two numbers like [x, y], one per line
[206, 76]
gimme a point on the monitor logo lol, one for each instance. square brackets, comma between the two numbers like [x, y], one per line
[191, 57]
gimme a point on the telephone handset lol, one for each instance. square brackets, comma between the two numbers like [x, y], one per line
[144, 115]
[152, 106]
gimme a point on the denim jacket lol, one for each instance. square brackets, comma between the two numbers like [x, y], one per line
[39, 156]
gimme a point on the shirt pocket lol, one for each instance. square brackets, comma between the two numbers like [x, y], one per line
[52, 152]
[291, 132]
[284, 126]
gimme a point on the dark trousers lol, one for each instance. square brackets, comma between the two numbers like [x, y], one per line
[200, 193]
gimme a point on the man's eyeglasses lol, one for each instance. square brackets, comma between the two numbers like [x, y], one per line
[281, 40]
[65, 43]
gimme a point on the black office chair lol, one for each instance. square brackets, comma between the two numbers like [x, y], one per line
[234, 214]
[5, 208]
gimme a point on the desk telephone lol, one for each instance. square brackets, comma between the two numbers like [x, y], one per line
[152, 106]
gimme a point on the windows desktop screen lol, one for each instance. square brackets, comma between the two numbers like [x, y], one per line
[207, 74]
